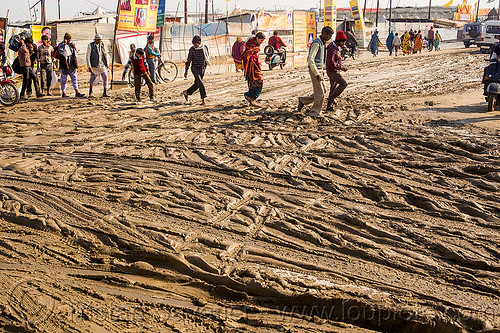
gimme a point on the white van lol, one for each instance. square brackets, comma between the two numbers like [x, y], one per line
[489, 37]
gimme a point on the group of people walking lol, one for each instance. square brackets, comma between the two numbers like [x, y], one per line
[410, 42]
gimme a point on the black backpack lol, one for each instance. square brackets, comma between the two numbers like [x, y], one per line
[16, 66]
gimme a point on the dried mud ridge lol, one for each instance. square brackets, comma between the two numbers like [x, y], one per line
[177, 217]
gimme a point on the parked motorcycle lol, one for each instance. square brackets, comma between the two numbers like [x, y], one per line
[9, 92]
[491, 81]
[275, 57]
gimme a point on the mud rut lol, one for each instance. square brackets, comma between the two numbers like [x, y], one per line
[177, 217]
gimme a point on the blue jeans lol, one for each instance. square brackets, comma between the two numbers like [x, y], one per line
[151, 64]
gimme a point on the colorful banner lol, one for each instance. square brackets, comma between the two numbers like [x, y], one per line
[37, 31]
[160, 18]
[330, 14]
[299, 31]
[138, 15]
[311, 28]
[359, 22]
[270, 22]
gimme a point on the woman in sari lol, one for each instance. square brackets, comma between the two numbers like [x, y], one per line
[406, 43]
[374, 43]
[419, 43]
[253, 72]
[437, 41]
[389, 42]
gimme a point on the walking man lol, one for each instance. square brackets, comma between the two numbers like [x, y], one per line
[24, 55]
[46, 64]
[198, 60]
[430, 38]
[316, 61]
[98, 65]
[68, 64]
[333, 68]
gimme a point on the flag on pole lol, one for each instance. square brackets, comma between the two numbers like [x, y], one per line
[450, 3]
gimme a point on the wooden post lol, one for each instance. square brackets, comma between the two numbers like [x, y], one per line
[429, 16]
[477, 11]
[43, 14]
[376, 14]
[59, 8]
[364, 10]
[185, 11]
[390, 15]
[113, 42]
[206, 11]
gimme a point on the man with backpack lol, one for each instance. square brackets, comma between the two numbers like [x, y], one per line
[24, 56]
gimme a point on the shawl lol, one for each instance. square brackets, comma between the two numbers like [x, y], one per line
[389, 40]
[251, 61]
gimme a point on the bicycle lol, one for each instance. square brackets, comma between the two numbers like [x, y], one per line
[165, 71]
[348, 51]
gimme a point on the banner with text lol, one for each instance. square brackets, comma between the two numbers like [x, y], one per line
[359, 22]
[138, 15]
[330, 13]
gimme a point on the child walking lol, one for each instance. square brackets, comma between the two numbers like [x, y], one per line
[141, 71]
[198, 59]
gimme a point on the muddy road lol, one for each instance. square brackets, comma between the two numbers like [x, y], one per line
[382, 216]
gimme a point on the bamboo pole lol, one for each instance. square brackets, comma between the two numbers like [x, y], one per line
[113, 42]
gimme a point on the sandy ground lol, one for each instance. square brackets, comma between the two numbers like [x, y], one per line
[383, 215]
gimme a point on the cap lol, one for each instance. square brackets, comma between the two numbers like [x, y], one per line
[340, 36]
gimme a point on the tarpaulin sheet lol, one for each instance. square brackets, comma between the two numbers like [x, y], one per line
[207, 29]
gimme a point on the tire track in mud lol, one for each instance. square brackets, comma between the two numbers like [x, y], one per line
[379, 215]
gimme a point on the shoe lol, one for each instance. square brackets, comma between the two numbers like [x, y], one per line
[203, 102]
[49, 94]
[138, 103]
[329, 107]
[248, 99]
[185, 94]
[40, 95]
[313, 114]
[154, 100]
[105, 95]
[300, 106]
[78, 94]
[25, 98]
[64, 95]
[91, 95]
[29, 94]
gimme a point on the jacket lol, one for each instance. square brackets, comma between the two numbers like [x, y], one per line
[96, 54]
[23, 54]
[67, 61]
[150, 51]
[139, 65]
[333, 58]
[316, 56]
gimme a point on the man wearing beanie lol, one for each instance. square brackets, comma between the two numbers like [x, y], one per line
[333, 69]
[68, 64]
[316, 62]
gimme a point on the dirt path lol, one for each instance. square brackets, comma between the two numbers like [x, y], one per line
[380, 216]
